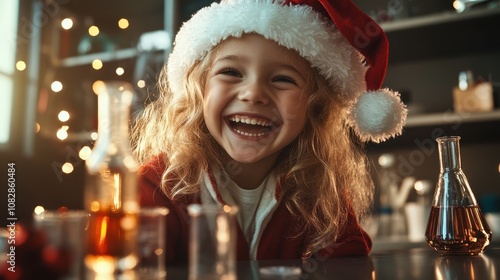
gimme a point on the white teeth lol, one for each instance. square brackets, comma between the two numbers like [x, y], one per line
[249, 134]
[252, 121]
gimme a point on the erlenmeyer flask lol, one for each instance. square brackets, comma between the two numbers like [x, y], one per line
[456, 225]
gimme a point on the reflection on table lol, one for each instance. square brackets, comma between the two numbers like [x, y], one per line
[414, 263]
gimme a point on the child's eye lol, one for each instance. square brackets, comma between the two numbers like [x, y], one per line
[230, 72]
[285, 79]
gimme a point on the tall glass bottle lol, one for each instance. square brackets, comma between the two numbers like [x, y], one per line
[111, 187]
[456, 225]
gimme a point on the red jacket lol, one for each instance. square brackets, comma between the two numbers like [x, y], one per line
[278, 240]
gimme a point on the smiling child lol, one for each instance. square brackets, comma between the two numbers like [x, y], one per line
[265, 105]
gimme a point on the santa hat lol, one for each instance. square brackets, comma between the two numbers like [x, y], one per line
[347, 46]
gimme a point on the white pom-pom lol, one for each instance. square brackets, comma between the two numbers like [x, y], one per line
[378, 115]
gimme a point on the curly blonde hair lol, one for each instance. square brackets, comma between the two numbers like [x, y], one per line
[326, 157]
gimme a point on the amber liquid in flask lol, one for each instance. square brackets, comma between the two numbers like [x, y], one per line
[111, 188]
[467, 226]
[456, 224]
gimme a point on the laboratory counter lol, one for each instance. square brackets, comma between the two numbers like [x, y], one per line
[419, 262]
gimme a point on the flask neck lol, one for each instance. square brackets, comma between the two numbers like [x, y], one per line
[113, 115]
[449, 154]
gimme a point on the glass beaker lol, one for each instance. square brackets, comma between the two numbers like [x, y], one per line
[456, 225]
[65, 230]
[212, 243]
[151, 242]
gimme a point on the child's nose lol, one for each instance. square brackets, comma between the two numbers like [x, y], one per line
[254, 93]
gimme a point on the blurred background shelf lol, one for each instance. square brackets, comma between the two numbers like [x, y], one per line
[383, 245]
[439, 18]
[435, 119]
[443, 35]
[104, 57]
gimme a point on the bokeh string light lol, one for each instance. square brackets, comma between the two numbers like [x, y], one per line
[63, 120]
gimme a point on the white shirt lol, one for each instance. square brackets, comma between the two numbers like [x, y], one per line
[248, 202]
[256, 206]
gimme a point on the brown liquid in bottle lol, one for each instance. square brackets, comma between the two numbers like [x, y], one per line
[457, 230]
[110, 232]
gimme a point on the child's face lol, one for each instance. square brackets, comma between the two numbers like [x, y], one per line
[255, 100]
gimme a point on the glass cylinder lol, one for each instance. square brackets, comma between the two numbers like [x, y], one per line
[212, 242]
[111, 187]
[65, 230]
[151, 241]
[456, 225]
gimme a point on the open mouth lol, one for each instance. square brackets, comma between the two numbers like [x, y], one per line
[250, 126]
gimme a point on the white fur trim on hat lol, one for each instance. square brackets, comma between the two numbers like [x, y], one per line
[296, 27]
